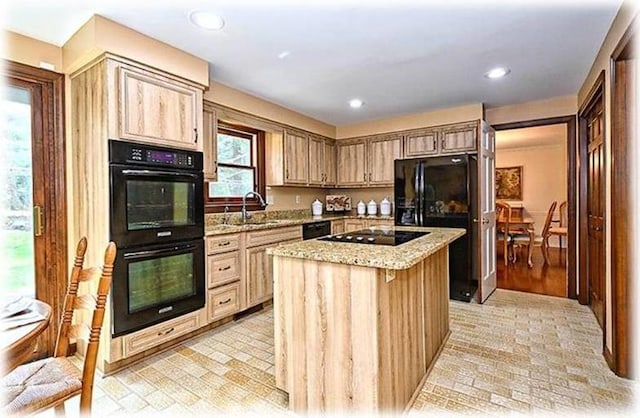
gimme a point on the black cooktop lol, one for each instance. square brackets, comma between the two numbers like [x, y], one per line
[375, 237]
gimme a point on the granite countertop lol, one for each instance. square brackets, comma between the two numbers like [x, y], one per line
[381, 256]
[269, 223]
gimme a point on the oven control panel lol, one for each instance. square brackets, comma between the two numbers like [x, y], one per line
[127, 153]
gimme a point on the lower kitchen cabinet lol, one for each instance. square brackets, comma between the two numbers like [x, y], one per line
[223, 301]
[259, 275]
[223, 268]
[337, 227]
[353, 225]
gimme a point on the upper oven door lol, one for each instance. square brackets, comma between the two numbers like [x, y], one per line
[152, 206]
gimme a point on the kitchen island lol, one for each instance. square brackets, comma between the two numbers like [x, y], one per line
[358, 326]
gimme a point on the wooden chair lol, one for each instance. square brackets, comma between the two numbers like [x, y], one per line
[503, 212]
[47, 383]
[542, 239]
[561, 230]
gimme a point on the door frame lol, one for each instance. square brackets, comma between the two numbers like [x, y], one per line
[622, 243]
[49, 129]
[572, 199]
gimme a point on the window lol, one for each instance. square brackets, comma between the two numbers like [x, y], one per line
[240, 156]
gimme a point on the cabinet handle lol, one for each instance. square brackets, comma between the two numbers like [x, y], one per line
[223, 244]
[224, 302]
[369, 176]
[224, 268]
[435, 143]
[170, 330]
[442, 142]
[287, 173]
[196, 132]
[365, 176]
[38, 221]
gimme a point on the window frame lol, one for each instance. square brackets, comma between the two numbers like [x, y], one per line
[257, 137]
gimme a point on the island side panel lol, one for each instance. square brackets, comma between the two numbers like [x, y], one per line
[436, 306]
[400, 337]
[329, 323]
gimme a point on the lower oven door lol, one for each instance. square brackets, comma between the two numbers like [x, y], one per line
[154, 283]
[150, 206]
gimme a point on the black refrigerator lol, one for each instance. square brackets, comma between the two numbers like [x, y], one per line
[442, 192]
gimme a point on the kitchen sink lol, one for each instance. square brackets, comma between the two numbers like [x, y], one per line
[266, 222]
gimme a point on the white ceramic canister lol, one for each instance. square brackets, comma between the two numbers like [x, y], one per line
[316, 208]
[372, 207]
[361, 208]
[385, 207]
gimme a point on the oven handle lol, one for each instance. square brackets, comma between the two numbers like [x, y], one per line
[156, 173]
[142, 254]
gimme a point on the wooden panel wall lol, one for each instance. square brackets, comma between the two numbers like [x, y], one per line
[436, 302]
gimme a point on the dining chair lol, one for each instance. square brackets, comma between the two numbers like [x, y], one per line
[561, 230]
[542, 240]
[503, 213]
[46, 383]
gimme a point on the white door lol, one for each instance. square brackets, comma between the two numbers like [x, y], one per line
[487, 215]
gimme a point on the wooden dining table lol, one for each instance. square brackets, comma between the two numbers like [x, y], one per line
[18, 344]
[524, 224]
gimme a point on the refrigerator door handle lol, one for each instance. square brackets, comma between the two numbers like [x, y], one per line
[421, 223]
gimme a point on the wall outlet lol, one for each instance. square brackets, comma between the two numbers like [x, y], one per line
[297, 199]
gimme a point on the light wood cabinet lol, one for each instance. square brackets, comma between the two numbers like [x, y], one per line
[223, 301]
[337, 227]
[459, 138]
[378, 222]
[351, 225]
[329, 162]
[352, 163]
[381, 153]
[421, 143]
[210, 144]
[223, 268]
[157, 109]
[316, 160]
[296, 158]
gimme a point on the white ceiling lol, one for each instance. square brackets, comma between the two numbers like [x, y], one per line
[398, 56]
[539, 136]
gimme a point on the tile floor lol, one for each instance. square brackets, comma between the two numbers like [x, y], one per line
[516, 354]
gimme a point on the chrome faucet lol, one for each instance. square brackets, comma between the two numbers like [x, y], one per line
[246, 215]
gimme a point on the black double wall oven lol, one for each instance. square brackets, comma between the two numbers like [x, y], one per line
[157, 222]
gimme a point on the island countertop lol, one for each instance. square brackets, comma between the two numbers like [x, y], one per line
[399, 257]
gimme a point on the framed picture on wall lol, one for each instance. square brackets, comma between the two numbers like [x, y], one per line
[509, 183]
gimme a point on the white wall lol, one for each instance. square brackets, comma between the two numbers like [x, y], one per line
[544, 179]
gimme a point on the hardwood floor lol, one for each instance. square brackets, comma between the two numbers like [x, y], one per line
[543, 279]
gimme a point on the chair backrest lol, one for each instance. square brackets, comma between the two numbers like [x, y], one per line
[547, 222]
[563, 214]
[503, 213]
[95, 303]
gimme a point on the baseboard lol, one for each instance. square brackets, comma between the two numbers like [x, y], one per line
[608, 357]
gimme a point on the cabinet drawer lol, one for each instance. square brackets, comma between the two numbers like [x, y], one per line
[223, 243]
[158, 334]
[223, 268]
[271, 236]
[379, 222]
[223, 301]
[351, 225]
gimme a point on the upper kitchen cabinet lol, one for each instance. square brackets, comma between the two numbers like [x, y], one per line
[157, 108]
[329, 162]
[367, 161]
[210, 143]
[382, 151]
[420, 143]
[352, 162]
[459, 137]
[287, 158]
[322, 161]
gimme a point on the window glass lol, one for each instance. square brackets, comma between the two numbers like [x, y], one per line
[232, 182]
[234, 150]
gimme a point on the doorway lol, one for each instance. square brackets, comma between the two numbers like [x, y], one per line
[531, 172]
[569, 125]
[32, 189]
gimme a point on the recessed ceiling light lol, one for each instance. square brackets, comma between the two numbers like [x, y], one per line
[497, 72]
[284, 54]
[206, 20]
[356, 103]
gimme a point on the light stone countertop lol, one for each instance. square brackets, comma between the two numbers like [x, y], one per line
[400, 257]
[268, 223]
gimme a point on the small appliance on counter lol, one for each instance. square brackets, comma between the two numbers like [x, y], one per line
[372, 208]
[316, 208]
[361, 208]
[338, 203]
[385, 207]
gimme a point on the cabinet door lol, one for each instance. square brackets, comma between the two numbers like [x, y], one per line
[296, 153]
[382, 151]
[351, 163]
[457, 138]
[337, 227]
[158, 109]
[210, 145]
[316, 160]
[223, 301]
[351, 225]
[329, 163]
[259, 275]
[421, 143]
